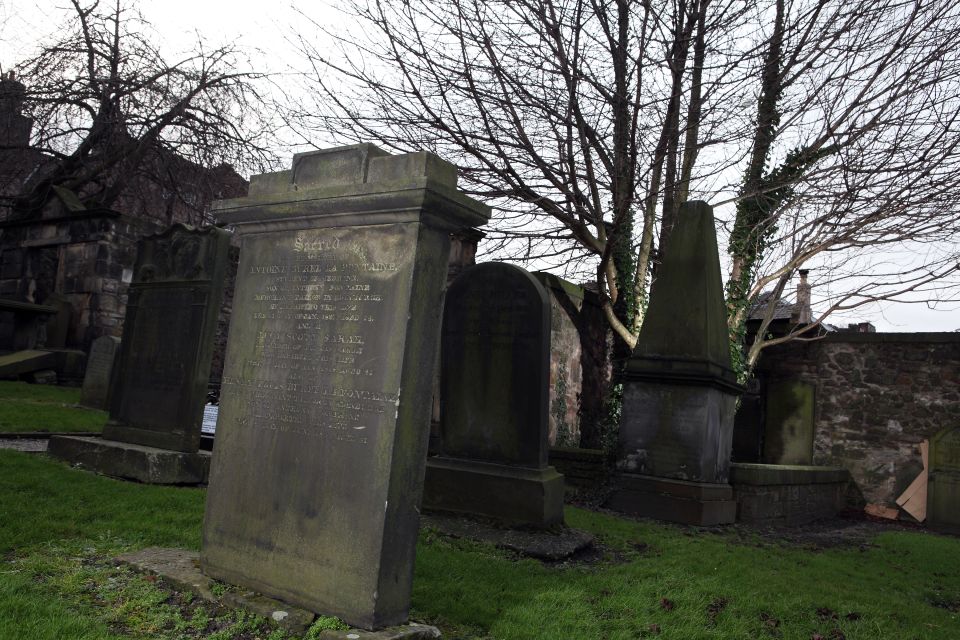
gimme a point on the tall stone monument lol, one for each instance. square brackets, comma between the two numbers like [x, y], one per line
[159, 383]
[325, 404]
[680, 393]
[494, 387]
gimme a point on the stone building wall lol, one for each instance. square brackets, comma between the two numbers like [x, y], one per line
[877, 397]
[87, 258]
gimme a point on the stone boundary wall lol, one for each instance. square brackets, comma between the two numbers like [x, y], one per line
[566, 374]
[579, 366]
[877, 397]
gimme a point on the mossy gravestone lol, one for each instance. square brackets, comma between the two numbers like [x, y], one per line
[159, 383]
[325, 405]
[164, 364]
[494, 390]
[679, 392]
[943, 488]
[789, 428]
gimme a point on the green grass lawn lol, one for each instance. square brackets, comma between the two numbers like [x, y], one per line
[38, 407]
[59, 527]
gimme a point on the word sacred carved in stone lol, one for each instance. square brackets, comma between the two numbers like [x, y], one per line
[316, 312]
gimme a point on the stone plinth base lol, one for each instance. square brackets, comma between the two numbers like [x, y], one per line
[696, 503]
[552, 545]
[180, 568]
[787, 494]
[132, 461]
[513, 495]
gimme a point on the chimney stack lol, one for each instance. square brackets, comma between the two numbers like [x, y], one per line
[802, 313]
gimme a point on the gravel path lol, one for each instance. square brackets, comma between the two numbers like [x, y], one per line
[29, 445]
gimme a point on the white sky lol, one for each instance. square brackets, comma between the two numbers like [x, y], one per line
[262, 25]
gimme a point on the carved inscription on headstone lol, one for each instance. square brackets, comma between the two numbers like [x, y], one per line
[319, 308]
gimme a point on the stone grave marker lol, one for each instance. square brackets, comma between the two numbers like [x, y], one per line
[494, 395]
[325, 405]
[95, 392]
[789, 429]
[168, 334]
[679, 393]
[943, 484]
[160, 385]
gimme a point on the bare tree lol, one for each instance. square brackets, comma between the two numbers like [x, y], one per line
[582, 120]
[829, 124]
[855, 165]
[113, 116]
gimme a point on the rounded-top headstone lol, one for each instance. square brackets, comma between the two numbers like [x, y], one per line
[495, 359]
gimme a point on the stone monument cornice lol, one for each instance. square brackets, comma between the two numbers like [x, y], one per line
[687, 371]
[357, 185]
[425, 202]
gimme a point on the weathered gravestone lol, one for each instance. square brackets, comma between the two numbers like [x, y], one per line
[494, 386]
[95, 392]
[325, 404]
[789, 429]
[943, 488]
[159, 384]
[679, 392]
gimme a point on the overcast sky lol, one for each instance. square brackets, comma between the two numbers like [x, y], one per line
[262, 25]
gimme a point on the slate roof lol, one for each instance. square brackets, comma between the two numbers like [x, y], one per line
[782, 311]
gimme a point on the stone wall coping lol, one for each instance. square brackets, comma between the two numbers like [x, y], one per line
[893, 337]
[777, 474]
[598, 456]
[75, 215]
[551, 281]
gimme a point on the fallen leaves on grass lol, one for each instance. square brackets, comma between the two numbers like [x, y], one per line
[770, 623]
[825, 613]
[714, 609]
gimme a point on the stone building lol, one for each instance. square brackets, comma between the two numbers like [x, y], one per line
[85, 255]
